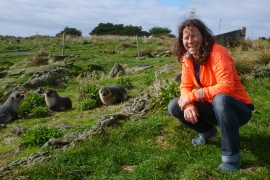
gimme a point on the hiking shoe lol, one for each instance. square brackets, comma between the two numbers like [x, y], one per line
[204, 136]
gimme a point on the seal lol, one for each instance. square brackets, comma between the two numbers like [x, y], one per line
[10, 109]
[55, 102]
[178, 78]
[112, 94]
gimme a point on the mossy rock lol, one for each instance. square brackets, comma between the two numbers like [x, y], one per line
[48, 67]
[16, 71]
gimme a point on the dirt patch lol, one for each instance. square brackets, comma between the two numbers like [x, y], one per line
[10, 140]
[128, 168]
[5, 158]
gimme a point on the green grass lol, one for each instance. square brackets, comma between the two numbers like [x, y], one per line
[156, 147]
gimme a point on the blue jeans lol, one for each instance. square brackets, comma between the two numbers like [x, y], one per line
[227, 112]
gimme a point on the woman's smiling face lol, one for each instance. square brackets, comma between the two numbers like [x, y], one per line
[192, 39]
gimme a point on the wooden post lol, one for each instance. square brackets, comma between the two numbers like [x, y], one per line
[64, 44]
[138, 48]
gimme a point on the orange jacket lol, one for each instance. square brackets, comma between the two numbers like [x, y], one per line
[217, 76]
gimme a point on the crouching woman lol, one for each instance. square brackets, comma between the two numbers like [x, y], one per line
[211, 92]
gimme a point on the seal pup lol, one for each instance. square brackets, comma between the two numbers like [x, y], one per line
[55, 102]
[112, 94]
[178, 78]
[10, 109]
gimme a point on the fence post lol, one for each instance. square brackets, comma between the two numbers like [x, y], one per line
[138, 48]
[64, 44]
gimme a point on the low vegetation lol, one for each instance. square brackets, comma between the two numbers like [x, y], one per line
[154, 147]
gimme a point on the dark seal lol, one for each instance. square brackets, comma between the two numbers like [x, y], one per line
[112, 94]
[55, 102]
[10, 109]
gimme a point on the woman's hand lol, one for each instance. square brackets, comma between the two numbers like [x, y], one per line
[183, 101]
[191, 114]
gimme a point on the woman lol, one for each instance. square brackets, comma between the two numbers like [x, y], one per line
[211, 92]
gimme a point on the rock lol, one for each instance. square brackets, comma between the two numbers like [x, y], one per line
[117, 70]
[46, 78]
[18, 130]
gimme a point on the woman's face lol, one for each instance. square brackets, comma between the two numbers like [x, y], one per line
[192, 39]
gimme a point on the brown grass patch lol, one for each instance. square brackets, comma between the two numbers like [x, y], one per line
[10, 140]
[161, 141]
[4, 158]
[128, 168]
[42, 53]
[125, 44]
[162, 48]
[37, 62]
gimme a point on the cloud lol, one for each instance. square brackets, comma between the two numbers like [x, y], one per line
[49, 17]
[234, 14]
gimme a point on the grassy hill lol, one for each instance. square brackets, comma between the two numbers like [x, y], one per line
[155, 146]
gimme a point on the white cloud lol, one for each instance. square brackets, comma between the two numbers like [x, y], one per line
[49, 17]
[234, 14]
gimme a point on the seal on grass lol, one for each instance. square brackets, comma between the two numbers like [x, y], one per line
[112, 94]
[10, 109]
[55, 102]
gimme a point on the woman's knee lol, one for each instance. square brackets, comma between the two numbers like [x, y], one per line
[173, 105]
[220, 101]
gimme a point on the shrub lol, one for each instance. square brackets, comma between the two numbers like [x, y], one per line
[87, 104]
[31, 101]
[125, 81]
[39, 135]
[15, 48]
[88, 96]
[40, 112]
[149, 80]
[87, 91]
[167, 92]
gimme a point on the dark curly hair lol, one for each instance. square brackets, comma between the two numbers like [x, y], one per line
[207, 44]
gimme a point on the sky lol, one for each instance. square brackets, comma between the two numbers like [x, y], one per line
[24, 18]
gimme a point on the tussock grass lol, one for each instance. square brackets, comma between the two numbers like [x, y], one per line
[42, 52]
[245, 64]
[264, 57]
[125, 44]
